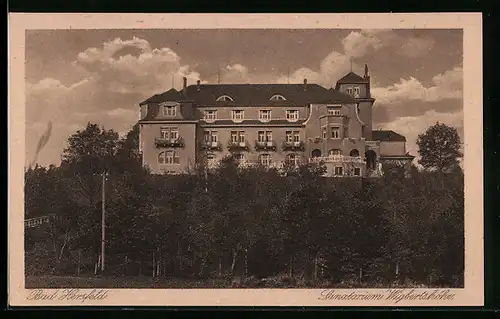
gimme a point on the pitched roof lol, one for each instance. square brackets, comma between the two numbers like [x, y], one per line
[170, 95]
[253, 94]
[388, 136]
[352, 77]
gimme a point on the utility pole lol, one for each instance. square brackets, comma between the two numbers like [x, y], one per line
[103, 220]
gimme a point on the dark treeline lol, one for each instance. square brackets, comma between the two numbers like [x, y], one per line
[252, 222]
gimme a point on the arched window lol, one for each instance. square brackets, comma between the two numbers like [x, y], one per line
[265, 159]
[224, 98]
[354, 153]
[292, 159]
[277, 97]
[334, 152]
[316, 153]
[168, 157]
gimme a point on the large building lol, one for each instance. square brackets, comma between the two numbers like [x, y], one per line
[268, 124]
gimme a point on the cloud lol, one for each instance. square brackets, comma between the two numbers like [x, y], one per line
[148, 72]
[361, 43]
[447, 85]
[71, 107]
[412, 126]
[358, 44]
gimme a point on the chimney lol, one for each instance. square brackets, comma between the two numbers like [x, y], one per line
[184, 86]
[198, 85]
[305, 84]
[366, 71]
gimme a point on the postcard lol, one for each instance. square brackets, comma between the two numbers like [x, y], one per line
[245, 160]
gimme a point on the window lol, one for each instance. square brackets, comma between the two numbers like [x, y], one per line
[338, 171]
[333, 111]
[265, 115]
[335, 152]
[292, 159]
[224, 98]
[164, 133]
[324, 133]
[210, 136]
[237, 115]
[213, 136]
[169, 110]
[234, 137]
[171, 133]
[354, 153]
[292, 115]
[168, 157]
[277, 98]
[174, 133]
[357, 91]
[269, 136]
[210, 115]
[241, 136]
[349, 91]
[264, 136]
[292, 136]
[265, 159]
[357, 171]
[335, 132]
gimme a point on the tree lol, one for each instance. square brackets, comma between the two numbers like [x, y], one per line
[439, 148]
[91, 150]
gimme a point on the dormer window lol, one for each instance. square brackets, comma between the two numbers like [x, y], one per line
[334, 110]
[264, 115]
[224, 98]
[210, 115]
[168, 110]
[277, 97]
[237, 115]
[292, 115]
[357, 91]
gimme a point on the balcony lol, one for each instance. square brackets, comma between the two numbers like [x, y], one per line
[238, 146]
[338, 159]
[265, 146]
[211, 146]
[293, 146]
[169, 142]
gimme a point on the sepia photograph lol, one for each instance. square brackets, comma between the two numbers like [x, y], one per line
[244, 158]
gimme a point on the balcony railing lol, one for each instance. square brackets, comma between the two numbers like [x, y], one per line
[169, 142]
[265, 146]
[211, 146]
[237, 146]
[293, 146]
[337, 159]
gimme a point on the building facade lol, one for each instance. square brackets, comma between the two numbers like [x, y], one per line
[268, 124]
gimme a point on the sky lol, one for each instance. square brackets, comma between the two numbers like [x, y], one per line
[100, 76]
